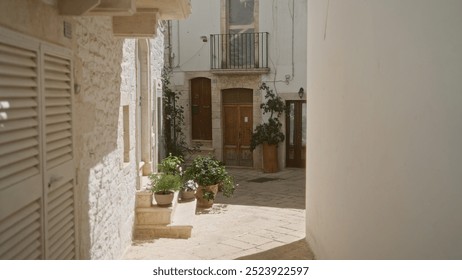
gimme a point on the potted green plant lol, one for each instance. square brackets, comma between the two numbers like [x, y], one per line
[269, 134]
[164, 184]
[171, 165]
[188, 190]
[209, 173]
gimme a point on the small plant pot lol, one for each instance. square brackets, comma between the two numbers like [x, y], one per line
[187, 195]
[203, 202]
[164, 200]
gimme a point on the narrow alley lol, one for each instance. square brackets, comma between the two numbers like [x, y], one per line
[265, 219]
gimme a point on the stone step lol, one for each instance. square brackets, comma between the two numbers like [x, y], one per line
[180, 225]
[153, 214]
[168, 231]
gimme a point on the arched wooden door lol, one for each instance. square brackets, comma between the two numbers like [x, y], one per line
[237, 126]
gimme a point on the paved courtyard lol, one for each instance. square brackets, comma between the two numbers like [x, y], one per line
[265, 219]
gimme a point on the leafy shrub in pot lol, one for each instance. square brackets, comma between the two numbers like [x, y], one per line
[208, 171]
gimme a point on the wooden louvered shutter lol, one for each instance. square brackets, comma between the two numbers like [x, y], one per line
[58, 154]
[37, 186]
[21, 185]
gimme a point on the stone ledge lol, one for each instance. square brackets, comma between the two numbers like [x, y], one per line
[167, 231]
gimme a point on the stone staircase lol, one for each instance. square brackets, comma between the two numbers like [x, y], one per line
[152, 221]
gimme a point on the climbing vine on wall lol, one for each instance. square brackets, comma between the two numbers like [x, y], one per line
[173, 114]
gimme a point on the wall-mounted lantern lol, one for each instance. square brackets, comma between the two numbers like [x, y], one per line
[301, 92]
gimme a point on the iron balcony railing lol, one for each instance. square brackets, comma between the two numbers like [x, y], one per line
[239, 51]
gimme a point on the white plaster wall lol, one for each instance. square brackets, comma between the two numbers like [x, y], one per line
[36, 19]
[287, 44]
[384, 160]
[190, 53]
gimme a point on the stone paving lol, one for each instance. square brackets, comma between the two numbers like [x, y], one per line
[265, 219]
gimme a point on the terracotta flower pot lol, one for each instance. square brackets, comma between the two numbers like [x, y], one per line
[270, 158]
[187, 195]
[203, 202]
[164, 200]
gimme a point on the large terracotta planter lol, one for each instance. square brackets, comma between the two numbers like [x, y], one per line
[164, 200]
[202, 202]
[270, 158]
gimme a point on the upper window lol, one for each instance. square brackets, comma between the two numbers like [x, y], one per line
[241, 16]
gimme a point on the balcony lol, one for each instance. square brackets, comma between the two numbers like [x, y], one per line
[239, 53]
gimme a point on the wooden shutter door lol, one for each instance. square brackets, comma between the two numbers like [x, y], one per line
[58, 150]
[37, 193]
[21, 187]
[201, 107]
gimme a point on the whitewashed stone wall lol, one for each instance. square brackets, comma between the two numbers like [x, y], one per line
[109, 83]
[156, 48]
[107, 185]
[111, 64]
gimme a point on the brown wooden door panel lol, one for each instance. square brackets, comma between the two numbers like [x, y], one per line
[201, 109]
[295, 133]
[230, 144]
[245, 134]
[238, 124]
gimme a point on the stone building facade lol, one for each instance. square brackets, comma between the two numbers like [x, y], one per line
[236, 46]
[79, 128]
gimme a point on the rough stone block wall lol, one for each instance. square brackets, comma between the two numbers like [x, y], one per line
[105, 71]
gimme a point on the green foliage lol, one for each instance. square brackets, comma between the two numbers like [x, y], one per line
[269, 132]
[165, 183]
[175, 140]
[208, 195]
[206, 171]
[274, 104]
[170, 179]
[228, 186]
[171, 165]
